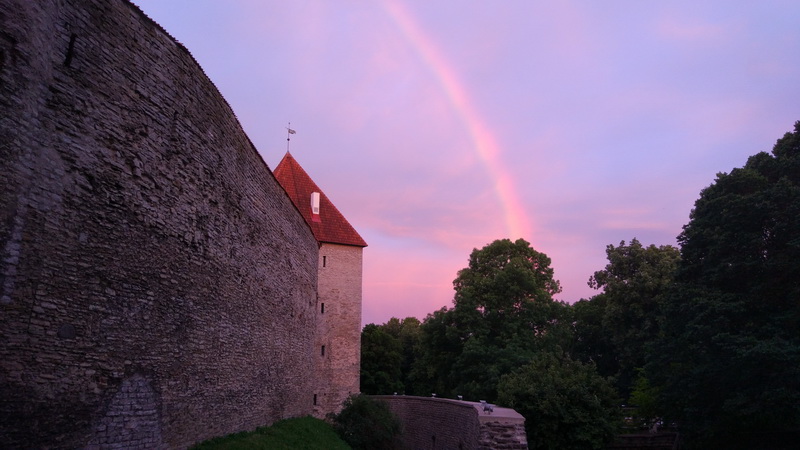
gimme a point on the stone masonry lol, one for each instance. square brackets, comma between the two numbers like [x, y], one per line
[339, 328]
[338, 333]
[157, 286]
[437, 423]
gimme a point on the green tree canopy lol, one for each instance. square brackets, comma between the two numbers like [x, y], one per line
[634, 282]
[438, 349]
[387, 354]
[593, 342]
[503, 313]
[381, 361]
[728, 362]
[566, 404]
[407, 332]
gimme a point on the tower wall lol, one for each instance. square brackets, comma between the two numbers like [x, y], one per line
[339, 328]
[157, 287]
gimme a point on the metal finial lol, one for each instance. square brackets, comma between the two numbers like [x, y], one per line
[289, 133]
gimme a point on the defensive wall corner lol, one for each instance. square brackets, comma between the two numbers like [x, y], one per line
[429, 422]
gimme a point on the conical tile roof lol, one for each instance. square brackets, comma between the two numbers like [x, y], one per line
[329, 225]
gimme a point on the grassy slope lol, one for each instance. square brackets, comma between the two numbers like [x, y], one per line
[303, 433]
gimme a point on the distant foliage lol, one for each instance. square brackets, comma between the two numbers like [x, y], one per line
[593, 342]
[381, 359]
[387, 354]
[645, 397]
[367, 424]
[503, 314]
[566, 404]
[408, 332]
[615, 328]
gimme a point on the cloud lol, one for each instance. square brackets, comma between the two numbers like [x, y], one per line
[604, 120]
[693, 29]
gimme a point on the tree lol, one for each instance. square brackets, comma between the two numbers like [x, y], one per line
[387, 354]
[645, 397]
[593, 343]
[504, 278]
[566, 404]
[728, 362]
[366, 424]
[381, 361]
[407, 332]
[634, 282]
[503, 314]
[438, 349]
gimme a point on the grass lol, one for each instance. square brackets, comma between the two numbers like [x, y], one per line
[302, 433]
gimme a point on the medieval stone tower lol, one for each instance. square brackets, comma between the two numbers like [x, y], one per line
[338, 332]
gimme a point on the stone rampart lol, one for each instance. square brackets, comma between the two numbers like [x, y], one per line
[157, 287]
[437, 423]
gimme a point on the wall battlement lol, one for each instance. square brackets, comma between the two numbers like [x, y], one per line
[157, 286]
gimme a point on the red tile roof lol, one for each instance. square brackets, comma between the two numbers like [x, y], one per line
[329, 225]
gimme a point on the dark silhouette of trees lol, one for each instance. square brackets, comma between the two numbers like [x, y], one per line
[728, 360]
[614, 328]
[706, 337]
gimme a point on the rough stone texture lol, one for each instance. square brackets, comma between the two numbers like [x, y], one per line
[339, 327]
[500, 434]
[451, 424]
[131, 418]
[157, 287]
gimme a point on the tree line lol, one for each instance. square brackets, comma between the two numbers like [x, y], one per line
[704, 338]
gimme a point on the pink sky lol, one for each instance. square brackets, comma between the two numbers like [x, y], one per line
[438, 127]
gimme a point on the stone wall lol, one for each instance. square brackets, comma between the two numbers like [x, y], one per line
[434, 423]
[339, 329]
[157, 287]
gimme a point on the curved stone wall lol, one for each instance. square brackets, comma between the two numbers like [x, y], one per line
[437, 423]
[157, 287]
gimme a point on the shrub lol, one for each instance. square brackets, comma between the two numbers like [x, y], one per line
[365, 423]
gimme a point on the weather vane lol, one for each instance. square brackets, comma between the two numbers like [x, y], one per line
[289, 133]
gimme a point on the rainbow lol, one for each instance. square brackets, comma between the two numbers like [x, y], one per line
[485, 145]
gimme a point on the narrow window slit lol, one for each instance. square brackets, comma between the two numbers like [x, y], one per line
[70, 50]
